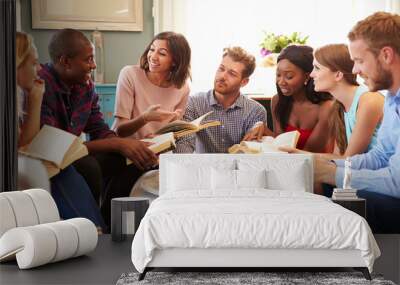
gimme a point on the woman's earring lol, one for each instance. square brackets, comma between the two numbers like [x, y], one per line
[305, 82]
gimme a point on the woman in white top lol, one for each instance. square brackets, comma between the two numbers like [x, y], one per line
[357, 114]
[155, 92]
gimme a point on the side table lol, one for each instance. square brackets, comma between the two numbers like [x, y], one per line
[358, 205]
[126, 214]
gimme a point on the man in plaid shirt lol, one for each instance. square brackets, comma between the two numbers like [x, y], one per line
[236, 113]
[70, 103]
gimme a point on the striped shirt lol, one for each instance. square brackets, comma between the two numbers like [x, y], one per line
[236, 121]
[73, 109]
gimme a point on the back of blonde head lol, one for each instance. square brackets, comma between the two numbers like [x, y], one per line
[24, 45]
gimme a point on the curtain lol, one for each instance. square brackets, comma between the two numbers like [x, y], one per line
[8, 118]
[392, 6]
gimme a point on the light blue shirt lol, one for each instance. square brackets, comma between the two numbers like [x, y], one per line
[350, 117]
[379, 169]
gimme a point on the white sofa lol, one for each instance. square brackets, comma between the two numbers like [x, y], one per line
[31, 231]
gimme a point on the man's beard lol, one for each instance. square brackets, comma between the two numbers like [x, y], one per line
[383, 80]
[226, 89]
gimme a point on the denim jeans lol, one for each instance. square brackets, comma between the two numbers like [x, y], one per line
[74, 197]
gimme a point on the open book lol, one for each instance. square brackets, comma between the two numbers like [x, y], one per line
[56, 148]
[161, 143]
[182, 128]
[268, 144]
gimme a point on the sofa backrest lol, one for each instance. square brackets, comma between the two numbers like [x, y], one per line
[179, 172]
[26, 208]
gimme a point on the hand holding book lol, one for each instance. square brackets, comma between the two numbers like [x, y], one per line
[257, 132]
[158, 144]
[183, 128]
[137, 152]
[268, 144]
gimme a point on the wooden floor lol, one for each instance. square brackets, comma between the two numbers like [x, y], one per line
[102, 266]
[110, 259]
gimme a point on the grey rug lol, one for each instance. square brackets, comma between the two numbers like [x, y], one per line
[229, 278]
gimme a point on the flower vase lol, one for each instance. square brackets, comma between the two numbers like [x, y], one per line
[269, 60]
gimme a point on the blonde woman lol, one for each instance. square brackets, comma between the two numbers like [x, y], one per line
[29, 87]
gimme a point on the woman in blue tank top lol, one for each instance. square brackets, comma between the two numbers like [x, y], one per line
[358, 113]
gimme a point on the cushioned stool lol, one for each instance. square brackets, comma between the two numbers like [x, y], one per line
[126, 214]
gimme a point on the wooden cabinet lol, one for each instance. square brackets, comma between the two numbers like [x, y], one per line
[266, 102]
[106, 94]
[356, 205]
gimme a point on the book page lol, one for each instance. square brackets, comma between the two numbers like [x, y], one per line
[182, 128]
[176, 126]
[268, 144]
[52, 170]
[267, 140]
[287, 139]
[161, 142]
[75, 152]
[255, 145]
[50, 144]
[268, 148]
[197, 122]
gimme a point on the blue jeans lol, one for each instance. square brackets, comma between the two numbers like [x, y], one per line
[73, 197]
[383, 211]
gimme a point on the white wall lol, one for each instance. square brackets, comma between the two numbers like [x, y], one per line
[211, 25]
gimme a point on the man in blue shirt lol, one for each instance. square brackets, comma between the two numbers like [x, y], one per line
[375, 49]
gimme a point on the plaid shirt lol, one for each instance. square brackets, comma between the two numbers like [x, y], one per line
[236, 121]
[73, 109]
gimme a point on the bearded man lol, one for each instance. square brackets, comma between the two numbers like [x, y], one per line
[237, 114]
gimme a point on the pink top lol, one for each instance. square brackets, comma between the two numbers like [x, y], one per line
[135, 93]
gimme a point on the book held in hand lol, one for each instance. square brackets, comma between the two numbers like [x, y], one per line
[56, 148]
[182, 128]
[161, 143]
[268, 144]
